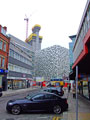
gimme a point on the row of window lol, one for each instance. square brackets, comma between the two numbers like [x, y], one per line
[43, 97]
[17, 68]
[85, 26]
[17, 56]
[2, 45]
[2, 62]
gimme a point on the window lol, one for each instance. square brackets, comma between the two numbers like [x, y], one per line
[11, 53]
[49, 96]
[3, 61]
[4, 47]
[38, 97]
[1, 44]
[20, 58]
[12, 67]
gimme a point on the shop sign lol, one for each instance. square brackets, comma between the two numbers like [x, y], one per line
[39, 79]
[6, 71]
[1, 71]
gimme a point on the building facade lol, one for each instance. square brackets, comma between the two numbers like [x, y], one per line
[4, 54]
[20, 64]
[71, 44]
[52, 62]
[81, 53]
[34, 40]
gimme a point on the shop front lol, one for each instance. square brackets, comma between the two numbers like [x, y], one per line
[84, 87]
[3, 79]
[17, 83]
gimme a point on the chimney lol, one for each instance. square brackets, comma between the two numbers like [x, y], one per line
[5, 28]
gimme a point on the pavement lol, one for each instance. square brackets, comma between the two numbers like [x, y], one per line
[83, 108]
[83, 105]
[13, 92]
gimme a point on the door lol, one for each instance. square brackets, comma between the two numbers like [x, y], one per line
[36, 103]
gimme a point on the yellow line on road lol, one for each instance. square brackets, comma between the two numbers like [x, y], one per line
[57, 118]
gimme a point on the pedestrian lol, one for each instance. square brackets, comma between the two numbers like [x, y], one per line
[74, 92]
[79, 88]
[41, 85]
[69, 88]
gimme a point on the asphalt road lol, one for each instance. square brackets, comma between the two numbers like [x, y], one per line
[25, 116]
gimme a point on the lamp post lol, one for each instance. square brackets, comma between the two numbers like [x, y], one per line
[76, 92]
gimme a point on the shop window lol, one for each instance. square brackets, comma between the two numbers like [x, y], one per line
[1, 44]
[85, 89]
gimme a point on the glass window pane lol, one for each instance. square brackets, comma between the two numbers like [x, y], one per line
[11, 53]
[4, 47]
[3, 61]
[1, 44]
[38, 97]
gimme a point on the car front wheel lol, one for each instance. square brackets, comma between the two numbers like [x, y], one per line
[16, 110]
[57, 109]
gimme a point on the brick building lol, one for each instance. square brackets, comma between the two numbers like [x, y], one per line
[4, 54]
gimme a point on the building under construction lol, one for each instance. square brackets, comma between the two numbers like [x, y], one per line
[34, 40]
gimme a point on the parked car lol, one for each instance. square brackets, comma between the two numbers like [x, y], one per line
[42, 101]
[56, 90]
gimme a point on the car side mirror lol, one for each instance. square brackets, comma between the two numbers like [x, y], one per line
[31, 99]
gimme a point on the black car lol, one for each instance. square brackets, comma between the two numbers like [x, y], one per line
[57, 90]
[42, 101]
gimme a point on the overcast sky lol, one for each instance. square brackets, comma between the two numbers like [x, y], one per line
[58, 18]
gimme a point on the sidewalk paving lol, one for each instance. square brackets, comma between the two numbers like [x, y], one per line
[83, 108]
[13, 92]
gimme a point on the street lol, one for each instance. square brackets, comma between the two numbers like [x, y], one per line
[25, 116]
[83, 104]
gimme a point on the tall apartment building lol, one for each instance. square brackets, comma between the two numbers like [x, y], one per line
[20, 64]
[34, 40]
[4, 54]
[81, 53]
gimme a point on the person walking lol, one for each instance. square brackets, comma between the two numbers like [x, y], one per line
[69, 88]
[41, 85]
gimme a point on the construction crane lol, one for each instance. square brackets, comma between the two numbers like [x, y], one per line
[27, 20]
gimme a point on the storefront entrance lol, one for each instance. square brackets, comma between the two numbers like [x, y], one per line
[17, 84]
